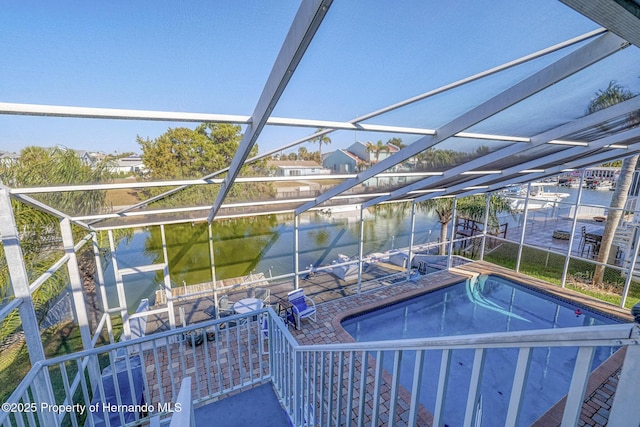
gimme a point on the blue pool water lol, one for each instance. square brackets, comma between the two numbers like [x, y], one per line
[488, 304]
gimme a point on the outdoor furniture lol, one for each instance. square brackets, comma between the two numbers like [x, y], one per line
[285, 312]
[264, 332]
[262, 293]
[592, 241]
[225, 307]
[582, 240]
[561, 234]
[247, 305]
[303, 306]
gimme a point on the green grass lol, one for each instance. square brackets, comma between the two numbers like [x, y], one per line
[548, 267]
[65, 339]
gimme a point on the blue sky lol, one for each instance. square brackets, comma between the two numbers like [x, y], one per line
[214, 57]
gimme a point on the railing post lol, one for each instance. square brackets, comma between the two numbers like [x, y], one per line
[625, 410]
[296, 251]
[360, 249]
[297, 373]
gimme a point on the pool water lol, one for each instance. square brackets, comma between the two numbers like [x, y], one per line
[483, 305]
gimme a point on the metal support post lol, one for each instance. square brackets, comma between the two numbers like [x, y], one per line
[122, 299]
[411, 237]
[524, 227]
[452, 232]
[574, 225]
[625, 410]
[632, 264]
[101, 286]
[77, 294]
[486, 226]
[213, 270]
[167, 280]
[20, 285]
[296, 251]
[360, 249]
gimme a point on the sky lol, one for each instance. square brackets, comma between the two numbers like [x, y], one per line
[215, 56]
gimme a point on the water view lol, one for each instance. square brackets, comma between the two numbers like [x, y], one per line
[265, 244]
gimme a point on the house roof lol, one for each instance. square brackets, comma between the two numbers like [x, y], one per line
[293, 164]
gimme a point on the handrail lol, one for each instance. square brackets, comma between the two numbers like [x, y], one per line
[135, 342]
[603, 335]
[295, 369]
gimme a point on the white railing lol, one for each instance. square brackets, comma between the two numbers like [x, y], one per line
[337, 384]
[350, 384]
[139, 378]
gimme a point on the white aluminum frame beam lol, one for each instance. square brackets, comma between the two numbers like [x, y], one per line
[43, 207]
[357, 125]
[597, 159]
[305, 24]
[591, 120]
[554, 170]
[107, 113]
[575, 61]
[620, 17]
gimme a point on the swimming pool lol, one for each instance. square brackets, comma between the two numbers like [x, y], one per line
[483, 305]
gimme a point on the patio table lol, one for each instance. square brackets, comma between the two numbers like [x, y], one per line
[246, 305]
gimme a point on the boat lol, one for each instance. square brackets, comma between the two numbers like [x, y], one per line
[539, 196]
[592, 183]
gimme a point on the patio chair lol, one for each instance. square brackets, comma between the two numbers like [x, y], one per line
[225, 307]
[303, 306]
[264, 294]
[582, 240]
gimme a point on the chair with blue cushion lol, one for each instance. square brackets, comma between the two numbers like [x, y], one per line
[303, 306]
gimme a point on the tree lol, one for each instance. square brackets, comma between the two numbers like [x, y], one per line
[39, 231]
[377, 148]
[303, 153]
[472, 207]
[396, 142]
[321, 139]
[612, 95]
[183, 153]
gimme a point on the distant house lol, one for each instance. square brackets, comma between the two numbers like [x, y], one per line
[8, 159]
[297, 168]
[128, 165]
[356, 156]
[342, 161]
[370, 156]
[89, 158]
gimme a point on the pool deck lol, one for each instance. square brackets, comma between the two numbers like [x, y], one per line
[337, 299]
[328, 329]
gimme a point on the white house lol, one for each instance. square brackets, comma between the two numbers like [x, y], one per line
[128, 165]
[297, 167]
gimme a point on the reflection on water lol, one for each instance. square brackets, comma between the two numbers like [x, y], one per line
[265, 244]
[262, 244]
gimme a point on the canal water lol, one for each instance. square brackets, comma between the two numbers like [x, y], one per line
[265, 244]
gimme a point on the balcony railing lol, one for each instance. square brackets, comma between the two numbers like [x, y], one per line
[338, 384]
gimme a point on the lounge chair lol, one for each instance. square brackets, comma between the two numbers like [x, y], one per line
[303, 306]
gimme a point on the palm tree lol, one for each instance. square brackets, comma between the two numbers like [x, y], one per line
[39, 231]
[377, 148]
[472, 207]
[321, 139]
[612, 95]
